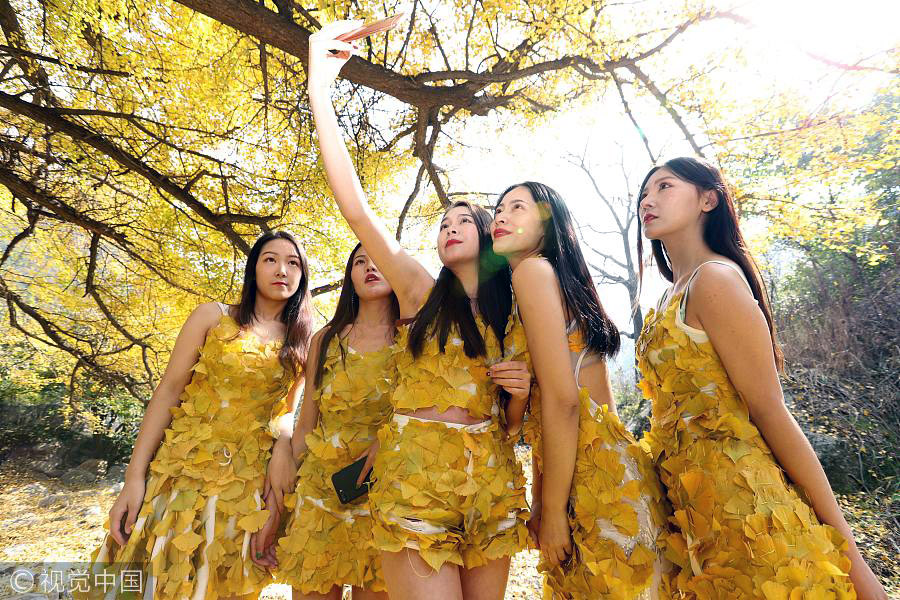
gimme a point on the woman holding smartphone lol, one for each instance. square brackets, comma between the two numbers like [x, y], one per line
[448, 499]
[327, 543]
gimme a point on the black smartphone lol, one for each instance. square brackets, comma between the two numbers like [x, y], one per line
[344, 482]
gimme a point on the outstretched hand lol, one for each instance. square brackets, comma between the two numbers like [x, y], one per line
[327, 54]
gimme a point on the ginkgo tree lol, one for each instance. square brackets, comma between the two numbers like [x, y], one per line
[144, 145]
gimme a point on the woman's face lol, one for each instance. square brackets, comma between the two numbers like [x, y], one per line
[279, 270]
[669, 204]
[518, 226]
[458, 237]
[368, 282]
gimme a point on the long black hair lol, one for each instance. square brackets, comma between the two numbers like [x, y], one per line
[562, 249]
[448, 305]
[296, 314]
[344, 314]
[721, 233]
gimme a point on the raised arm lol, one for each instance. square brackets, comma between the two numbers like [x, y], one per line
[409, 279]
[727, 312]
[541, 308]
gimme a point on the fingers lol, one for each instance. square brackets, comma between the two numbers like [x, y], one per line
[337, 28]
[509, 365]
[255, 554]
[365, 470]
[130, 518]
[512, 383]
[115, 524]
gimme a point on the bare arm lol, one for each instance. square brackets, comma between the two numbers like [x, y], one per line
[158, 415]
[727, 311]
[409, 279]
[541, 308]
[309, 410]
[166, 395]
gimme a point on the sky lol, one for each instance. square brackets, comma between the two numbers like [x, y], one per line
[490, 154]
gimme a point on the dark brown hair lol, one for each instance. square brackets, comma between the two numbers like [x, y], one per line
[721, 233]
[296, 314]
[448, 305]
[344, 314]
[562, 250]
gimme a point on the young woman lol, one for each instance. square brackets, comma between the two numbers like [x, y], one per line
[725, 445]
[193, 491]
[448, 499]
[596, 500]
[347, 399]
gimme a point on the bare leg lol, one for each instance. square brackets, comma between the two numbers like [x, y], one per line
[487, 582]
[333, 594]
[361, 594]
[408, 577]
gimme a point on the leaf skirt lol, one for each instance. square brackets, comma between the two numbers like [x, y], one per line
[455, 493]
[326, 543]
[617, 515]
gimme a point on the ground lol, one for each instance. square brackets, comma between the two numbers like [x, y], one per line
[70, 527]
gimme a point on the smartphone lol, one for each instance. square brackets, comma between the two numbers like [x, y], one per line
[371, 29]
[344, 482]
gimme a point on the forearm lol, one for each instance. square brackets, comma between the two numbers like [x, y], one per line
[537, 483]
[339, 169]
[559, 443]
[798, 459]
[515, 414]
[153, 426]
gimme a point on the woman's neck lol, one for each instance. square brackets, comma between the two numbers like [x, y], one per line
[468, 276]
[515, 260]
[266, 309]
[374, 312]
[686, 250]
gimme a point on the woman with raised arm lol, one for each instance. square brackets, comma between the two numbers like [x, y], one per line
[448, 499]
[755, 514]
[328, 544]
[597, 504]
[194, 488]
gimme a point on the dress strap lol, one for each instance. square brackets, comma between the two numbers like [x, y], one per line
[223, 307]
[580, 360]
[683, 302]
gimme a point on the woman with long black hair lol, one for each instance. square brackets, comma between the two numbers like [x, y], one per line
[194, 488]
[328, 544]
[448, 500]
[597, 509]
[755, 515]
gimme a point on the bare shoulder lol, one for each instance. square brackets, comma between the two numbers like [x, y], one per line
[533, 271]
[719, 287]
[205, 316]
[316, 340]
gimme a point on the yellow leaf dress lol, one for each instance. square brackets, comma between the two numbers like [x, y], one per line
[327, 543]
[741, 530]
[616, 506]
[453, 492]
[204, 485]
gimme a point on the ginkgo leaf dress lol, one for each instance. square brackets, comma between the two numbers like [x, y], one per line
[327, 543]
[453, 492]
[740, 529]
[616, 505]
[203, 492]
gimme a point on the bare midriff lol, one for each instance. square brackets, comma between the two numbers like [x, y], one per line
[454, 414]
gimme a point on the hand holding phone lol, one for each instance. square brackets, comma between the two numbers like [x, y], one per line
[371, 29]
